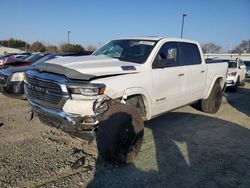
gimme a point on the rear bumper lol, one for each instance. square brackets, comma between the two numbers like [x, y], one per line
[70, 123]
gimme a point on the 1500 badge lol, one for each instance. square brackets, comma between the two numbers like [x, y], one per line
[161, 99]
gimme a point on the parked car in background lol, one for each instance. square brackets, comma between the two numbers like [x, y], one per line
[247, 63]
[2, 57]
[17, 62]
[126, 81]
[22, 56]
[236, 75]
[12, 79]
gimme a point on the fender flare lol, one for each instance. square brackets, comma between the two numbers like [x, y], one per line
[219, 77]
[136, 91]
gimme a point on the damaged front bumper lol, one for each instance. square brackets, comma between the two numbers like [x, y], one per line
[76, 125]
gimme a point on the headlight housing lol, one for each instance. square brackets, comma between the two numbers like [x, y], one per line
[232, 74]
[18, 76]
[87, 89]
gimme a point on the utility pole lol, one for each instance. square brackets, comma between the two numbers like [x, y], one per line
[182, 24]
[68, 36]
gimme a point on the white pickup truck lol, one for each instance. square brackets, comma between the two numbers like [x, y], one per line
[127, 81]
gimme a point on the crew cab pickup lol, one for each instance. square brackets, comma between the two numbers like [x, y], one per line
[110, 93]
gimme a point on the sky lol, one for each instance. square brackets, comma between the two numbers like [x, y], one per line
[224, 22]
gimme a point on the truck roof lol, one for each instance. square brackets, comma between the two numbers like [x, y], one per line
[156, 38]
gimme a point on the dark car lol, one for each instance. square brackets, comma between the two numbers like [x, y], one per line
[17, 62]
[12, 79]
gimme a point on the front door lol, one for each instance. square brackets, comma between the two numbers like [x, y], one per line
[167, 79]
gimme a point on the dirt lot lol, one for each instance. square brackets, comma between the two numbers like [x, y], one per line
[185, 148]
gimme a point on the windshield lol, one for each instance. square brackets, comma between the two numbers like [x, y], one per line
[33, 58]
[136, 51]
[232, 64]
[45, 58]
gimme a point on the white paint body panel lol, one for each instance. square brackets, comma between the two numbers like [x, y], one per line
[162, 89]
[93, 65]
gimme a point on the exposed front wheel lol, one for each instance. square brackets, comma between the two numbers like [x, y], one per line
[120, 133]
[213, 102]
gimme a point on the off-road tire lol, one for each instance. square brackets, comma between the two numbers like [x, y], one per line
[120, 133]
[213, 102]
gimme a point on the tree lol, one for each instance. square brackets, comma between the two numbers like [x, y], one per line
[91, 48]
[243, 47]
[37, 47]
[51, 48]
[210, 48]
[71, 48]
[15, 43]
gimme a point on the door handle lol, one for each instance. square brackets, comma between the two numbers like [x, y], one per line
[202, 71]
[182, 74]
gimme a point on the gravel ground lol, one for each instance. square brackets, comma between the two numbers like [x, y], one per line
[184, 148]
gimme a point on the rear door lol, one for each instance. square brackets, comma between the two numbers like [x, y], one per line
[194, 70]
[167, 81]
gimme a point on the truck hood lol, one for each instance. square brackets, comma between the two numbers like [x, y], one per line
[96, 65]
[87, 67]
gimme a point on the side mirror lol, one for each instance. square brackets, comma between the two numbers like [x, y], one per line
[159, 63]
[242, 67]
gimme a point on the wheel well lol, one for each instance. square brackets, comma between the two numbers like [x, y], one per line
[138, 102]
[220, 81]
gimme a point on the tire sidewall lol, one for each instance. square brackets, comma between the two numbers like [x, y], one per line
[117, 118]
[217, 98]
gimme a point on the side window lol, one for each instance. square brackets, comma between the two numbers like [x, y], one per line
[189, 54]
[167, 56]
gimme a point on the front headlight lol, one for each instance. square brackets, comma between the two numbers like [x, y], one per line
[232, 74]
[88, 89]
[19, 76]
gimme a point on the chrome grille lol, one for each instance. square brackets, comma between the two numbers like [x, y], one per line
[45, 92]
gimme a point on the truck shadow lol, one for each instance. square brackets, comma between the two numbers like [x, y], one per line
[238, 100]
[188, 150]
